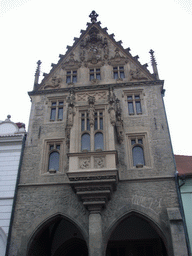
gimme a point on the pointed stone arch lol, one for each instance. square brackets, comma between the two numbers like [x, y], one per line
[47, 236]
[155, 230]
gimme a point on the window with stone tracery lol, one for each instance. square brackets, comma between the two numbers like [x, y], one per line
[92, 131]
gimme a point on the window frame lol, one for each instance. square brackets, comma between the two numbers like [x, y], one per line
[57, 106]
[46, 155]
[94, 72]
[71, 76]
[118, 69]
[144, 145]
[132, 102]
[92, 130]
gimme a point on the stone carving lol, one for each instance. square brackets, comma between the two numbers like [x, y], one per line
[94, 48]
[71, 62]
[119, 122]
[99, 162]
[117, 59]
[91, 111]
[84, 163]
[100, 95]
[137, 75]
[115, 114]
[55, 83]
[111, 109]
[70, 116]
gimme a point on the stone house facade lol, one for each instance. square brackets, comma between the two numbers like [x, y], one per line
[98, 170]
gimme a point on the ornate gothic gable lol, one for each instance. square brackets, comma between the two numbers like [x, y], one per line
[94, 48]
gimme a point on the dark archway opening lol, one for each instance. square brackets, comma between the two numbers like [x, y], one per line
[58, 237]
[134, 236]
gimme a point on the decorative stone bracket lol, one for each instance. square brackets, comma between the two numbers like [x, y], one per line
[94, 188]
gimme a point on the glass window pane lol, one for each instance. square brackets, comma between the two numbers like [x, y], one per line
[91, 77]
[95, 124]
[129, 97]
[98, 141]
[114, 68]
[115, 75]
[122, 75]
[98, 76]
[97, 69]
[53, 104]
[60, 114]
[130, 108]
[121, 68]
[133, 142]
[82, 124]
[60, 103]
[74, 71]
[58, 147]
[68, 72]
[54, 161]
[68, 79]
[138, 107]
[91, 70]
[101, 123]
[51, 147]
[85, 142]
[53, 114]
[140, 141]
[137, 97]
[138, 155]
[74, 79]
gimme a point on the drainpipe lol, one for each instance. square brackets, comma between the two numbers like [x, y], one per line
[15, 196]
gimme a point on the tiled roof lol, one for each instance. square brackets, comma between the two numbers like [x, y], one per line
[184, 164]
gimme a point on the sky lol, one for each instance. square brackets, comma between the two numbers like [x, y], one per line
[32, 30]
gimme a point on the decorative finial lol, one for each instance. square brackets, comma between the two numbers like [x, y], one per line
[154, 64]
[8, 117]
[93, 16]
[37, 73]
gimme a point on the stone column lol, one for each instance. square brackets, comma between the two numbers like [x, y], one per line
[95, 234]
[177, 232]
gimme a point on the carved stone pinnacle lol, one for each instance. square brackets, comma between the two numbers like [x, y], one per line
[93, 16]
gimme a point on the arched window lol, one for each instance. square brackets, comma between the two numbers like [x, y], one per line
[138, 156]
[85, 141]
[98, 140]
[54, 161]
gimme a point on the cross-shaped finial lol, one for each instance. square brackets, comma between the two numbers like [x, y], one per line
[39, 63]
[93, 16]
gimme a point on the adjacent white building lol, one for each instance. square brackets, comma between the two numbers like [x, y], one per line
[11, 143]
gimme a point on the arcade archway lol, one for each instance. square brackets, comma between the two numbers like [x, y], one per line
[134, 236]
[58, 237]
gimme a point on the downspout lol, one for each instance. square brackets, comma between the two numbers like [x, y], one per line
[177, 184]
[15, 196]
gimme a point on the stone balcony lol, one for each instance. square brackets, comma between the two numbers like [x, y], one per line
[93, 176]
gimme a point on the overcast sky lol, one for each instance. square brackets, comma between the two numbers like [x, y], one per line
[41, 29]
